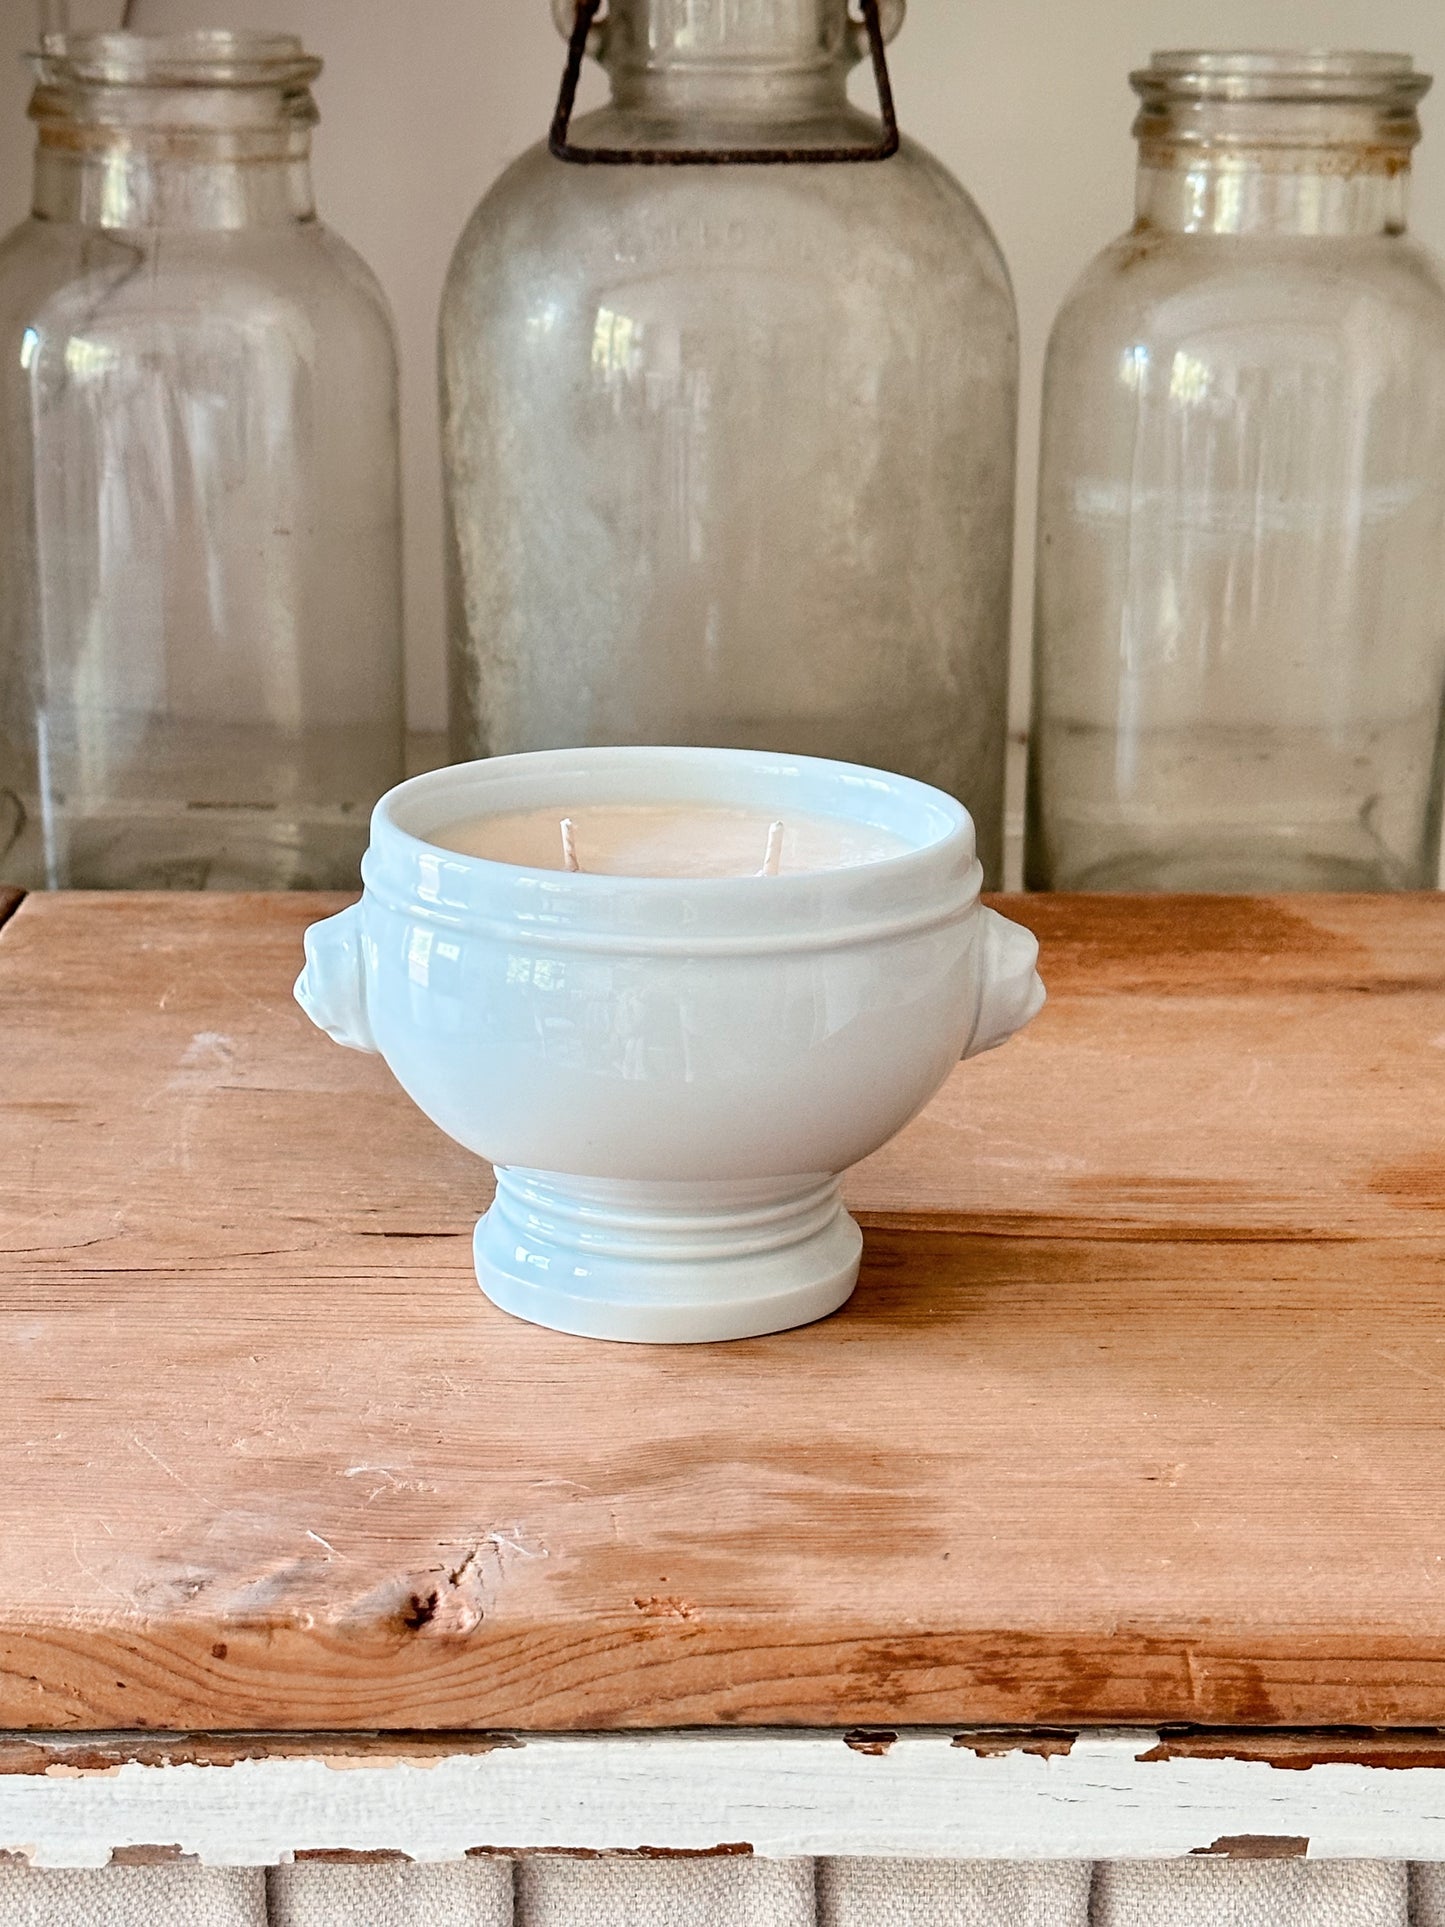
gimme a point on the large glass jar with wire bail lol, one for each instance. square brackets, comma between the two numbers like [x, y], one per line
[200, 624]
[1240, 630]
[730, 447]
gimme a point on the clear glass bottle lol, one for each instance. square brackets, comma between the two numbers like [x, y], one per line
[730, 449]
[200, 625]
[1240, 617]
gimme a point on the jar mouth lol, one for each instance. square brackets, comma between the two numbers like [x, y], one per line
[1284, 74]
[205, 57]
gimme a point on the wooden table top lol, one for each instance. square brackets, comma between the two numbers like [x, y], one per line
[1138, 1414]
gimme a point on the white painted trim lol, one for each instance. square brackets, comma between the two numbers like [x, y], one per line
[781, 1793]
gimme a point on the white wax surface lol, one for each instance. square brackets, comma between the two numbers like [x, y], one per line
[669, 840]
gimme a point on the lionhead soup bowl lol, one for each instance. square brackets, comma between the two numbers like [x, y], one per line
[669, 1073]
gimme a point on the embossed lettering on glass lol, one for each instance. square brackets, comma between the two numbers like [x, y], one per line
[1240, 635]
[729, 449]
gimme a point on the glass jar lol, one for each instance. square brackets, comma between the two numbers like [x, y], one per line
[200, 626]
[729, 448]
[1240, 616]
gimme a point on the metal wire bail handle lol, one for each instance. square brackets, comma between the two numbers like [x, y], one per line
[583, 39]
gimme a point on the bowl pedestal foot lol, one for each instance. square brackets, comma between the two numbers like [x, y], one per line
[667, 1264]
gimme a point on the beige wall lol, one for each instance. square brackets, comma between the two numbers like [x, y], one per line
[424, 100]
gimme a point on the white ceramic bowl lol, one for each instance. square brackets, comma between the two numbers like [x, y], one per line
[669, 1074]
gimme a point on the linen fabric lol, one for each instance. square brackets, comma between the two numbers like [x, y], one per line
[319, 1893]
[169, 1896]
[1251, 1893]
[953, 1893]
[713, 1892]
[1427, 1895]
[557, 1890]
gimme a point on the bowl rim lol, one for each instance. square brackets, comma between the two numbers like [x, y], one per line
[936, 878]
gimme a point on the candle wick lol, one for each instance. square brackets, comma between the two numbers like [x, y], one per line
[773, 861]
[569, 845]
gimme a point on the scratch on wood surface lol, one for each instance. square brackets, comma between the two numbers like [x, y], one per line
[451, 1597]
[391, 1481]
[169, 1470]
[101, 1585]
[205, 1048]
[665, 1606]
[514, 1539]
[1197, 1680]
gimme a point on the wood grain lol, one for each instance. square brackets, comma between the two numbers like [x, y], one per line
[1136, 1416]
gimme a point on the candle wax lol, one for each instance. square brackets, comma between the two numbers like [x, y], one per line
[669, 840]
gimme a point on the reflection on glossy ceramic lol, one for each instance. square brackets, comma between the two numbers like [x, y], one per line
[669, 1073]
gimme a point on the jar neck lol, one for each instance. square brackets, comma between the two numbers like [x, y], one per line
[1276, 144]
[132, 182]
[1244, 193]
[747, 99]
[184, 131]
[754, 61]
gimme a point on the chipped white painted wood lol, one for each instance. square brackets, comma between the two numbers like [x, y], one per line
[920, 1795]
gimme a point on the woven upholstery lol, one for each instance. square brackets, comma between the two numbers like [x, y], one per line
[546, 1890]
